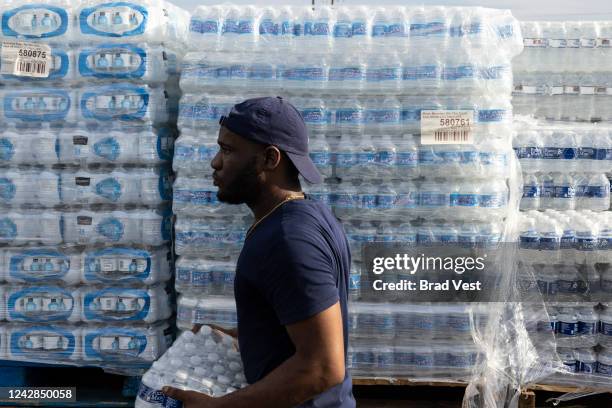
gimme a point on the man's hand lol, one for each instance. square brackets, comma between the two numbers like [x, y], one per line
[230, 332]
[190, 399]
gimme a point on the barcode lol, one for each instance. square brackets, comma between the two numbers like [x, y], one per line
[451, 135]
[32, 67]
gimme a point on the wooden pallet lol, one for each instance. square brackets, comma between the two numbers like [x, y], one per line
[528, 397]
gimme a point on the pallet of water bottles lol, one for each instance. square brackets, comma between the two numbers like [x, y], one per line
[566, 166]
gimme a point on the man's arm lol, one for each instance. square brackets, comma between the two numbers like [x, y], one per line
[317, 365]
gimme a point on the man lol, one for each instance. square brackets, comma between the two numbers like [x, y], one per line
[292, 274]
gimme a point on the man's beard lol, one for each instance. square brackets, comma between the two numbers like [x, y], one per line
[244, 188]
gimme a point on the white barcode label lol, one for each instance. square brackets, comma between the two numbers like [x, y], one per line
[447, 127]
[25, 59]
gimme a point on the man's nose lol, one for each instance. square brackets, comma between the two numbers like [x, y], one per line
[215, 163]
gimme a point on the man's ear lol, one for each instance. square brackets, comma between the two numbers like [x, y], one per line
[272, 157]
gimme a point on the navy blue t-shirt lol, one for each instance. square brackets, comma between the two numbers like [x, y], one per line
[294, 265]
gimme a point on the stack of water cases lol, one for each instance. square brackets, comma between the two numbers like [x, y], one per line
[87, 131]
[563, 80]
[362, 78]
[566, 242]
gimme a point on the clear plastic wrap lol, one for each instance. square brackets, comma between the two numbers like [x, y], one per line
[384, 178]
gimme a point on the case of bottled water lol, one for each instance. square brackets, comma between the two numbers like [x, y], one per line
[129, 347]
[94, 21]
[207, 362]
[72, 265]
[85, 178]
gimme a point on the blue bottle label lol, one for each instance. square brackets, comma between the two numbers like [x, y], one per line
[368, 201]
[345, 160]
[407, 159]
[569, 329]
[463, 200]
[550, 243]
[531, 191]
[432, 199]
[7, 150]
[497, 200]
[320, 158]
[597, 192]
[564, 192]
[349, 116]
[552, 153]
[343, 29]
[587, 328]
[407, 200]
[385, 201]
[587, 153]
[587, 368]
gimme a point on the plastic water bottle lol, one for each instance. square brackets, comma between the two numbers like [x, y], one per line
[407, 157]
[531, 193]
[564, 197]
[320, 154]
[315, 112]
[603, 148]
[348, 115]
[344, 157]
[286, 23]
[588, 59]
[318, 29]
[268, 28]
[547, 185]
[346, 73]
[365, 159]
[383, 73]
[554, 58]
[598, 193]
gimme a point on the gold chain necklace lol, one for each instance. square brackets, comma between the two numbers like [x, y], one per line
[288, 198]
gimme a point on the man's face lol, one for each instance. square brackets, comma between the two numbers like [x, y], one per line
[235, 164]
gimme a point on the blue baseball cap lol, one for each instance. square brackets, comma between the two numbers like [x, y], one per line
[274, 121]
